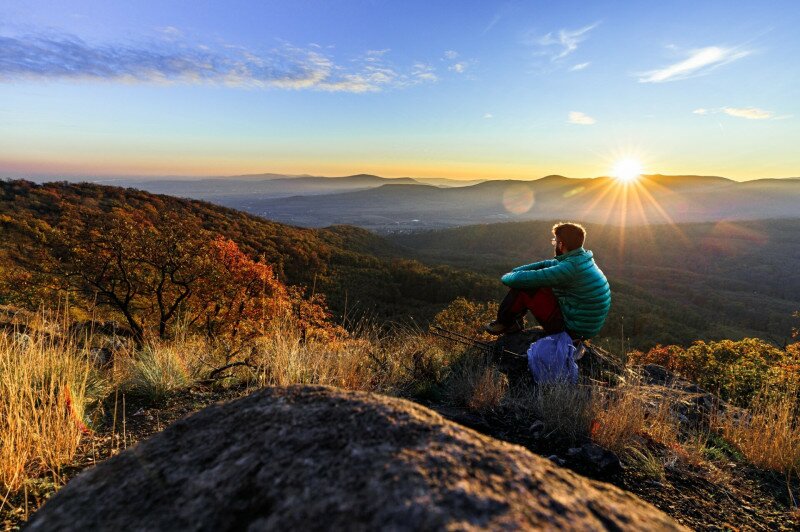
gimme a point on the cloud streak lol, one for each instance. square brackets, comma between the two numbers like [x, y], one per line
[66, 57]
[750, 113]
[562, 43]
[697, 63]
[576, 117]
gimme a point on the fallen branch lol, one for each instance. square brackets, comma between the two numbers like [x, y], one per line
[213, 375]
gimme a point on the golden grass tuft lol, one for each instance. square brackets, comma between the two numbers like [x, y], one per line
[626, 414]
[768, 435]
[156, 371]
[43, 385]
[566, 410]
[477, 384]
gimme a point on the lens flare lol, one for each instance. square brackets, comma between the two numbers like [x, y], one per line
[518, 199]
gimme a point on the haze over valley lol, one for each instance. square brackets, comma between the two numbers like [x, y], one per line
[388, 205]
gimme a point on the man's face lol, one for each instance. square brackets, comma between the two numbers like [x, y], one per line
[559, 246]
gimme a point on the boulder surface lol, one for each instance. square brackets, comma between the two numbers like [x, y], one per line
[314, 458]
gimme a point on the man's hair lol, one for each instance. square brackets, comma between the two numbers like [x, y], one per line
[573, 235]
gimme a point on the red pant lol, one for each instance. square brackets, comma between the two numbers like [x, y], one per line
[542, 303]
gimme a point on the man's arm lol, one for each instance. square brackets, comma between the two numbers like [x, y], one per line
[536, 265]
[558, 274]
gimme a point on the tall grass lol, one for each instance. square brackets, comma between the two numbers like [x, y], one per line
[157, 370]
[48, 386]
[629, 417]
[565, 410]
[768, 435]
[477, 384]
[43, 398]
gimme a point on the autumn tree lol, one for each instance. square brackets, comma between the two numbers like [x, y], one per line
[100, 259]
[145, 265]
[236, 292]
[154, 267]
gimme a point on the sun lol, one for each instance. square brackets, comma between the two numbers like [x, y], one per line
[627, 170]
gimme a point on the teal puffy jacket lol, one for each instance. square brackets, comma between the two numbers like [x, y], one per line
[580, 286]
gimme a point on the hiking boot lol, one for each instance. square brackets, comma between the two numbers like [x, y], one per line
[498, 328]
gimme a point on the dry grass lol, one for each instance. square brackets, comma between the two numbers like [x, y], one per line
[157, 371]
[43, 399]
[476, 384]
[48, 387]
[768, 435]
[565, 410]
[282, 358]
[626, 415]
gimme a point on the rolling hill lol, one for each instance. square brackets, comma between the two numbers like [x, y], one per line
[240, 190]
[358, 271]
[399, 207]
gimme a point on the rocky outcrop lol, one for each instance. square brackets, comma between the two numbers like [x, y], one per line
[693, 406]
[306, 458]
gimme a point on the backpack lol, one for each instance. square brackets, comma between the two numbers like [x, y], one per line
[552, 359]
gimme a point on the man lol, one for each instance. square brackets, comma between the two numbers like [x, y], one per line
[568, 293]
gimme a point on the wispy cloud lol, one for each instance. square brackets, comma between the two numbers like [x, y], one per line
[423, 72]
[492, 23]
[698, 62]
[576, 117]
[579, 66]
[750, 113]
[375, 56]
[459, 66]
[560, 44]
[488, 116]
[66, 57]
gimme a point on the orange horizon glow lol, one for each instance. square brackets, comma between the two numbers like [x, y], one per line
[210, 166]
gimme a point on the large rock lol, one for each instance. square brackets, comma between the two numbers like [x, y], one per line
[303, 458]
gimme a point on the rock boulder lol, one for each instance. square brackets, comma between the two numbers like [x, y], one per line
[314, 458]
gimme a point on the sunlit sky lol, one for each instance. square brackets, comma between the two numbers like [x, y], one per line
[429, 89]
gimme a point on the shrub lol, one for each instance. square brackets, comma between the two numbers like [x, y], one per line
[736, 370]
[466, 317]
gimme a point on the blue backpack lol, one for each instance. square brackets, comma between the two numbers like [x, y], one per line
[552, 359]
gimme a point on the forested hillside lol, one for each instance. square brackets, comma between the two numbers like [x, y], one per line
[352, 267]
[670, 283]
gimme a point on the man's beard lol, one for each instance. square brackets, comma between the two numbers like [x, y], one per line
[559, 252]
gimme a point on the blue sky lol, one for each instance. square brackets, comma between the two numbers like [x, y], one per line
[450, 89]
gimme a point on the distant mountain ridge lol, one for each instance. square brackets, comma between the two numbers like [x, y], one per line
[272, 186]
[403, 204]
[400, 206]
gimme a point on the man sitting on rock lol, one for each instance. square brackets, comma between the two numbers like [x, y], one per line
[568, 293]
